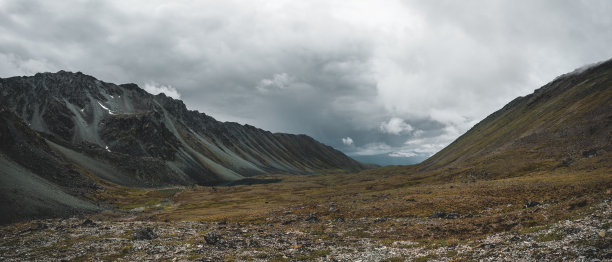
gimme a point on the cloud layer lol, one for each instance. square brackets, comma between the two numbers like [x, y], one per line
[401, 79]
[155, 88]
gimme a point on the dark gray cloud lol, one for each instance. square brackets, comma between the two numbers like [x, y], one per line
[401, 79]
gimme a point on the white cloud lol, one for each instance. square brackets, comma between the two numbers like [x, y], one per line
[418, 133]
[154, 88]
[347, 141]
[373, 149]
[395, 126]
[12, 65]
[402, 154]
[429, 145]
[279, 81]
[429, 149]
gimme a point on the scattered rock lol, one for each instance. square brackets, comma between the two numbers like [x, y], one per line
[579, 239]
[212, 238]
[144, 234]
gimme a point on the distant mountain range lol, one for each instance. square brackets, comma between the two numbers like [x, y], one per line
[64, 131]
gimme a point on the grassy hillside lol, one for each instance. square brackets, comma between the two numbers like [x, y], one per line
[568, 119]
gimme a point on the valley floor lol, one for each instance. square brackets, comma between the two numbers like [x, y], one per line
[553, 215]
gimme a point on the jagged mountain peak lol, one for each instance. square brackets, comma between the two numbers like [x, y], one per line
[72, 109]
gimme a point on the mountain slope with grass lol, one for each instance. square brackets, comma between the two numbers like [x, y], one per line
[559, 125]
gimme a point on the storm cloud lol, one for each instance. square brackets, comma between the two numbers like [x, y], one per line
[390, 82]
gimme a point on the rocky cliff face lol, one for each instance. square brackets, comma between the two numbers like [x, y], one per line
[35, 180]
[111, 130]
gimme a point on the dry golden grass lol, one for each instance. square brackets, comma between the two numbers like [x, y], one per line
[485, 204]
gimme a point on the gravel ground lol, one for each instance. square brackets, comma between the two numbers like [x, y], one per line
[584, 239]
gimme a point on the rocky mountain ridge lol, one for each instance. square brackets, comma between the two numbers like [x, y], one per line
[77, 108]
[120, 133]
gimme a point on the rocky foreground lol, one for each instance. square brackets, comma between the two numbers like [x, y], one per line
[588, 238]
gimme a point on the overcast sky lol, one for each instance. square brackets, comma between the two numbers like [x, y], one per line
[384, 81]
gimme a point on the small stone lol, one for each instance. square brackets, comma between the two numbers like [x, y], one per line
[452, 215]
[252, 243]
[578, 204]
[312, 218]
[381, 219]
[531, 204]
[88, 222]
[487, 245]
[212, 238]
[287, 222]
[144, 234]
[438, 214]
[441, 214]
[40, 226]
[602, 233]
